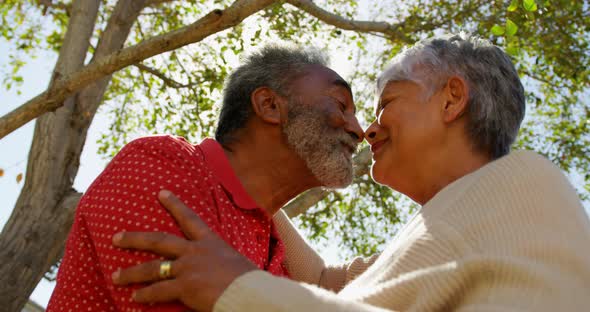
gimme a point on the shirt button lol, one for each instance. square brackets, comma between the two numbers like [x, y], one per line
[259, 238]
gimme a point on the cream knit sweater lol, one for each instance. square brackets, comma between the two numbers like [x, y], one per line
[511, 236]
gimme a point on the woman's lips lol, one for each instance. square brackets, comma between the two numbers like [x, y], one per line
[376, 146]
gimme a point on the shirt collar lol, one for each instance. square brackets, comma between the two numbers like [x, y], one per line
[222, 170]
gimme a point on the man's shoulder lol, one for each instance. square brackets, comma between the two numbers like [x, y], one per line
[163, 142]
[152, 158]
[169, 149]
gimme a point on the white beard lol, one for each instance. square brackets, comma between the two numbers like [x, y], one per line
[319, 145]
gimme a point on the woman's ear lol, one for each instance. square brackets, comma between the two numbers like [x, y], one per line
[456, 98]
[266, 103]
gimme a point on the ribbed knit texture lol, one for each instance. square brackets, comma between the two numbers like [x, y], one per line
[512, 236]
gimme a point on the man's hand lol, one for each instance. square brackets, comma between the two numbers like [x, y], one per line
[203, 267]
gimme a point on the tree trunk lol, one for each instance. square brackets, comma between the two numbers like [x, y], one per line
[36, 226]
[44, 211]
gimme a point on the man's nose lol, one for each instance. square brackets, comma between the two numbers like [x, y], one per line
[354, 129]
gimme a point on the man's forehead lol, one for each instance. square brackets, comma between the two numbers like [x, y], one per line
[322, 71]
[341, 82]
[327, 75]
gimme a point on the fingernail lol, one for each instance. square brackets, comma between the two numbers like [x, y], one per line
[117, 237]
[165, 193]
[115, 275]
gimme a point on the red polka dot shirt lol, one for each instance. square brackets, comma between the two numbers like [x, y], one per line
[124, 198]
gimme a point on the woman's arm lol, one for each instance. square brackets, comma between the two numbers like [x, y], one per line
[306, 265]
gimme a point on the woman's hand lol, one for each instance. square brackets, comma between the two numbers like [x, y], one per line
[202, 267]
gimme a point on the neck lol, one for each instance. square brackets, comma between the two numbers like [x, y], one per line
[454, 161]
[271, 173]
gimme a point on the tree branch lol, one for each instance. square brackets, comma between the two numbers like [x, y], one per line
[156, 2]
[53, 97]
[46, 4]
[541, 79]
[390, 30]
[306, 200]
[361, 162]
[167, 81]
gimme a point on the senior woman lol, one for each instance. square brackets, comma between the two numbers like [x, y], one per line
[498, 230]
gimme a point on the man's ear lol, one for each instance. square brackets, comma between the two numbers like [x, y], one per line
[456, 95]
[267, 104]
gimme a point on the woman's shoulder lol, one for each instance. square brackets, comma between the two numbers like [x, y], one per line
[528, 175]
[519, 174]
[525, 161]
[520, 197]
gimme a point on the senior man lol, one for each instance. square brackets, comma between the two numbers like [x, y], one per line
[287, 124]
[497, 231]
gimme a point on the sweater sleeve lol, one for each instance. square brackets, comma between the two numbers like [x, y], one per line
[306, 265]
[249, 292]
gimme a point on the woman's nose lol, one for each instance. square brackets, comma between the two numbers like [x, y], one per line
[371, 132]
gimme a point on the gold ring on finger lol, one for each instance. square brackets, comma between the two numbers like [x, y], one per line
[165, 269]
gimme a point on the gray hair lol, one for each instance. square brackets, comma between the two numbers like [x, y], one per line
[496, 104]
[272, 66]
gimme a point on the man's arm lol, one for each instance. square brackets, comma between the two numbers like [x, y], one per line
[124, 198]
[306, 265]
[199, 281]
[79, 282]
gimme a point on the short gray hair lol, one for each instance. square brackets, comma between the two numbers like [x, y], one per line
[274, 67]
[496, 105]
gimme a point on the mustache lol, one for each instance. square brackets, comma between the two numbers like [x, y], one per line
[346, 139]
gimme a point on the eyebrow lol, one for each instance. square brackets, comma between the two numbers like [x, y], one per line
[343, 83]
[380, 103]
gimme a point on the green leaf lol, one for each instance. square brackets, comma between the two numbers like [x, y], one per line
[511, 27]
[512, 50]
[498, 30]
[529, 5]
[513, 6]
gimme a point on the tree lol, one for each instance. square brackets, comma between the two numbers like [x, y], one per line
[159, 66]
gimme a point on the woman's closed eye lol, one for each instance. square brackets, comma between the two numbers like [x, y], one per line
[380, 108]
[385, 103]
